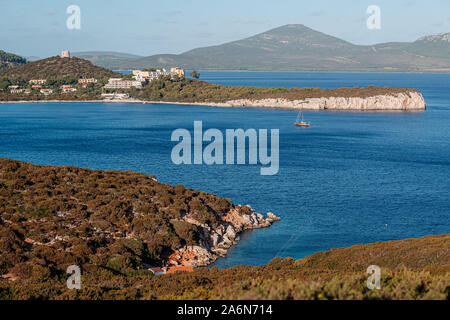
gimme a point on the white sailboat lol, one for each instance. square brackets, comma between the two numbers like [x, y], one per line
[300, 122]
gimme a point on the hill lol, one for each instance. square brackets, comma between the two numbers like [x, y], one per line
[116, 220]
[10, 60]
[114, 224]
[299, 48]
[57, 68]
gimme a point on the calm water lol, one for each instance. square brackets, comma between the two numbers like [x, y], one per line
[351, 178]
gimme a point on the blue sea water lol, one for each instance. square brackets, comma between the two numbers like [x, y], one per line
[351, 178]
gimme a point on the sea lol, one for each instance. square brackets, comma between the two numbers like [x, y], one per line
[352, 178]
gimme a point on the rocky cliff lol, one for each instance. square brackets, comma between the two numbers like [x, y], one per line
[215, 242]
[408, 101]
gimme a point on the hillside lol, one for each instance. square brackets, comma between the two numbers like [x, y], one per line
[299, 48]
[117, 220]
[57, 68]
[115, 224]
[10, 60]
[187, 90]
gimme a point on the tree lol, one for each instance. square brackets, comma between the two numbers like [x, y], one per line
[128, 77]
[4, 84]
[195, 75]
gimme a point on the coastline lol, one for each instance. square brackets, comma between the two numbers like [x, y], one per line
[403, 102]
[216, 241]
[71, 101]
[212, 239]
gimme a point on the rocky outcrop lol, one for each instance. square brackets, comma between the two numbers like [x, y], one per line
[407, 101]
[215, 242]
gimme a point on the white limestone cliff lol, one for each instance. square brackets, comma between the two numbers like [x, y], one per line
[408, 101]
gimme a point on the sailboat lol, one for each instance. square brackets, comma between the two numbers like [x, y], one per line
[300, 122]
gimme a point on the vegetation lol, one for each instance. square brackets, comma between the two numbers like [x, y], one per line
[114, 224]
[188, 90]
[120, 220]
[9, 60]
[195, 75]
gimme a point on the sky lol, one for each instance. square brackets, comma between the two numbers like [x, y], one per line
[147, 27]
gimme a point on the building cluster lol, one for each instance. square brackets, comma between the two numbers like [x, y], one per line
[66, 88]
[119, 83]
[147, 76]
[37, 84]
[142, 78]
[139, 79]
[87, 80]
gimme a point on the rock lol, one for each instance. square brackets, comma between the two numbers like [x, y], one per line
[408, 101]
[272, 217]
[215, 239]
[216, 242]
[231, 233]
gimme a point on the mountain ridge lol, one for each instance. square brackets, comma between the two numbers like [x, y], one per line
[295, 47]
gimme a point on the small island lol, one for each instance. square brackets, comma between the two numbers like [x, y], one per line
[69, 79]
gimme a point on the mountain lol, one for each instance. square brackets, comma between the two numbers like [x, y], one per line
[106, 59]
[299, 48]
[9, 60]
[57, 68]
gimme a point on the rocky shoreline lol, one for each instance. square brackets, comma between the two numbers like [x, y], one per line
[407, 101]
[215, 242]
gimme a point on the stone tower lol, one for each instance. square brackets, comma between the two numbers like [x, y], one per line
[65, 54]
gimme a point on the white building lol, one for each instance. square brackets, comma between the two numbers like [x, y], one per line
[46, 91]
[115, 96]
[117, 83]
[67, 90]
[145, 76]
[177, 71]
[38, 81]
[87, 80]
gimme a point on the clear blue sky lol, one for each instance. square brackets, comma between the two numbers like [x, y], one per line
[38, 27]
